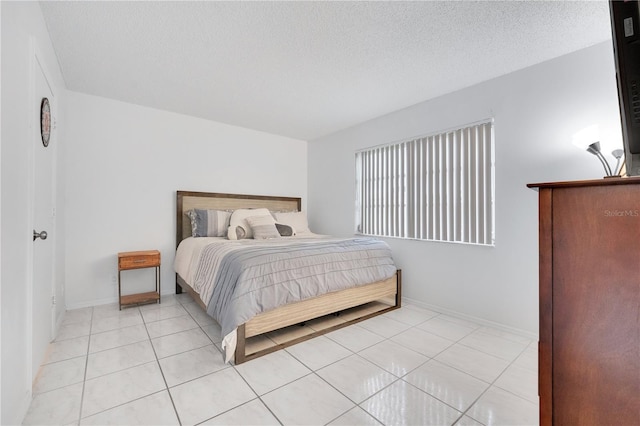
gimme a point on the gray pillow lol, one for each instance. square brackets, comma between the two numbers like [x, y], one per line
[241, 233]
[209, 223]
[284, 230]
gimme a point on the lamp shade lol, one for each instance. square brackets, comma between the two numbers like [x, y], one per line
[587, 136]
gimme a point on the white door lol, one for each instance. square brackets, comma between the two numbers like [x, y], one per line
[43, 309]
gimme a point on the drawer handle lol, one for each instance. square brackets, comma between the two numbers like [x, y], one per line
[139, 261]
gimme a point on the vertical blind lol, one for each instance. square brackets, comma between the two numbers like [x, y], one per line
[438, 187]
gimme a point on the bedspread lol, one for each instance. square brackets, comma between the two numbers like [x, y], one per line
[240, 279]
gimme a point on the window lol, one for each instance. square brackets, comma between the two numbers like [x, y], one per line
[438, 187]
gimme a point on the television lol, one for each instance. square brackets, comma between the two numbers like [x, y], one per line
[625, 27]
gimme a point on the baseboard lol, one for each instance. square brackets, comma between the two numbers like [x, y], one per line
[90, 303]
[106, 301]
[487, 323]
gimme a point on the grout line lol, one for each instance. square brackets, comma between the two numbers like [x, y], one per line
[396, 379]
[454, 342]
[164, 379]
[258, 396]
[86, 367]
[492, 384]
[214, 344]
[126, 402]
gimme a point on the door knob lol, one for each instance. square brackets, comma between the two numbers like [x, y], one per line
[42, 235]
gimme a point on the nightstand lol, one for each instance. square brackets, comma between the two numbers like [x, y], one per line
[138, 260]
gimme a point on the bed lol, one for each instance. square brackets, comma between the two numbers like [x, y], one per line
[285, 323]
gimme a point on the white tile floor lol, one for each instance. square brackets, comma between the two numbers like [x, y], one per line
[160, 364]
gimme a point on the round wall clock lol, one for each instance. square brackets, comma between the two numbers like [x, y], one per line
[45, 121]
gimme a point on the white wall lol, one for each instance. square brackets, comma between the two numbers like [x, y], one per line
[536, 112]
[20, 22]
[123, 164]
[0, 228]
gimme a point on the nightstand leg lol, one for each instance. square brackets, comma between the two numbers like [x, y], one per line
[158, 283]
[119, 295]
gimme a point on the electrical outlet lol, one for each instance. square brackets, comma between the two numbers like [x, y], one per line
[114, 279]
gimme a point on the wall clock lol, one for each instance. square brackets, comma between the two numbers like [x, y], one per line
[45, 121]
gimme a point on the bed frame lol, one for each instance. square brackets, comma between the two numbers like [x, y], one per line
[296, 322]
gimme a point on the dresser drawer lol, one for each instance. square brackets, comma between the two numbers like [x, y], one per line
[138, 261]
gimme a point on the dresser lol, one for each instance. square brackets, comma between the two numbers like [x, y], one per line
[589, 348]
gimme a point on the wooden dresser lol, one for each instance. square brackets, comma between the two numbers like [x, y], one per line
[589, 349]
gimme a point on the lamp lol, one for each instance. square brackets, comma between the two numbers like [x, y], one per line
[594, 149]
[584, 139]
[617, 154]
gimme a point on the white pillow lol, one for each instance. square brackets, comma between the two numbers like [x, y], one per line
[239, 218]
[296, 220]
[263, 227]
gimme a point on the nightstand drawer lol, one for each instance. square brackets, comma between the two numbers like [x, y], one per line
[138, 261]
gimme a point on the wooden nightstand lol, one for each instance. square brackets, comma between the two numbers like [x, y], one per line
[137, 260]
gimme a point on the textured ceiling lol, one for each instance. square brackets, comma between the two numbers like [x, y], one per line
[306, 69]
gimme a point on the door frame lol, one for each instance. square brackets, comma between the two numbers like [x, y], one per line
[36, 60]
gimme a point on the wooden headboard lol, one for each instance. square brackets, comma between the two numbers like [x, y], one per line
[187, 200]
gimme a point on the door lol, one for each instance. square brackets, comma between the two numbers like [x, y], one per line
[43, 309]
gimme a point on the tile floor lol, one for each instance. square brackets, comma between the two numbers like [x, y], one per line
[160, 365]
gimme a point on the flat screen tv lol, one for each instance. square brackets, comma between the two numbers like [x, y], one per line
[625, 26]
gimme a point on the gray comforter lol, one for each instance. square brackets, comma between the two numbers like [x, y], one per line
[245, 278]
